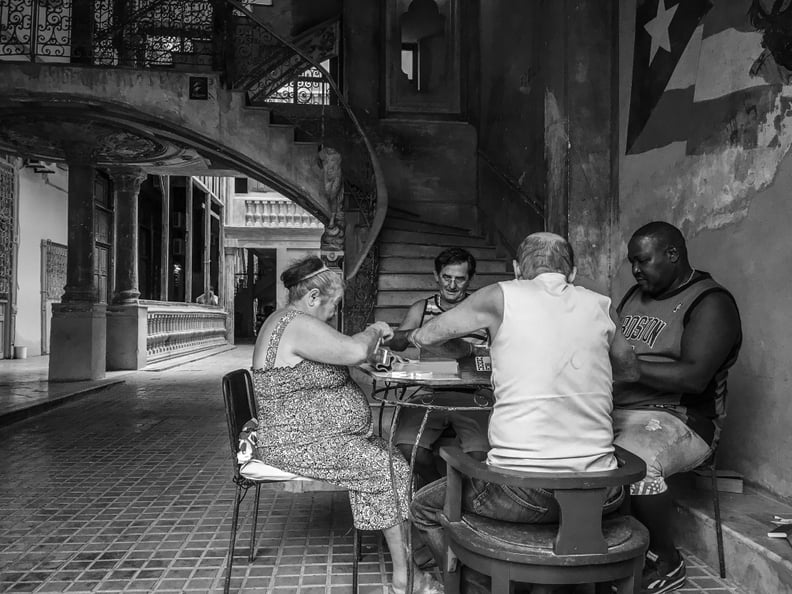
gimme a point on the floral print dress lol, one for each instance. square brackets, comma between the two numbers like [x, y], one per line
[316, 422]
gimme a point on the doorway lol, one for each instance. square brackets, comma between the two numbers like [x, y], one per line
[255, 287]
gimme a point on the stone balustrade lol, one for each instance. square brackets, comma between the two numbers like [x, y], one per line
[274, 212]
[178, 328]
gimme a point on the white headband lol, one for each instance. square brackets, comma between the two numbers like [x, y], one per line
[314, 273]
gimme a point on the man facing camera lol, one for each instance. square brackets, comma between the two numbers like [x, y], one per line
[453, 271]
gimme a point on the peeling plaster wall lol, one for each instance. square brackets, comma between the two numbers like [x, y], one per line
[733, 205]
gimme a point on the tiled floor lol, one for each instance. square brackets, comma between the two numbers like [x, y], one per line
[128, 490]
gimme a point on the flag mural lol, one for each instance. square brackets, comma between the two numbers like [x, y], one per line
[701, 75]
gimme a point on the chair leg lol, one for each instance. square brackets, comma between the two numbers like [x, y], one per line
[234, 520]
[453, 572]
[628, 585]
[355, 558]
[718, 527]
[252, 552]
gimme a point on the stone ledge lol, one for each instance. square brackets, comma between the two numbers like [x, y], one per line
[755, 562]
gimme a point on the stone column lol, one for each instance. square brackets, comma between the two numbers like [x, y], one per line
[227, 295]
[78, 331]
[127, 187]
[580, 61]
[80, 282]
[127, 327]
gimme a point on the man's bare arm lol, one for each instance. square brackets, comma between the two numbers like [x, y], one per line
[483, 309]
[411, 320]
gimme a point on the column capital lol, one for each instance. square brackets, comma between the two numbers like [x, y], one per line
[127, 179]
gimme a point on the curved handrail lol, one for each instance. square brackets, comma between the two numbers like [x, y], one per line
[381, 209]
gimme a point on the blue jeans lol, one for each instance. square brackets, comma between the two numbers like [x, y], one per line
[498, 502]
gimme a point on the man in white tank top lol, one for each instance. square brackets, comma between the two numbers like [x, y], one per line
[554, 352]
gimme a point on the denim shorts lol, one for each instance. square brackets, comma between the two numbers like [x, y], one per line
[662, 441]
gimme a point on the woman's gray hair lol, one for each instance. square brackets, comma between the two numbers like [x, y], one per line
[545, 252]
[311, 273]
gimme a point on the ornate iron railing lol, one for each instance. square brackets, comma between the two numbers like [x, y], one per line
[35, 29]
[310, 88]
[134, 33]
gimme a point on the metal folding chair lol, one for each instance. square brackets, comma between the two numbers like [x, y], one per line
[240, 407]
[710, 466]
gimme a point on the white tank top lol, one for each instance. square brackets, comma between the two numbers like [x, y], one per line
[552, 378]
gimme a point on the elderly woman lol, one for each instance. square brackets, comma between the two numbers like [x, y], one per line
[316, 422]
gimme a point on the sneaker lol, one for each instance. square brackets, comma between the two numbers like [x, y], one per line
[659, 577]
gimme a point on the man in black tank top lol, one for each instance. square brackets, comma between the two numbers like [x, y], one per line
[454, 269]
[685, 330]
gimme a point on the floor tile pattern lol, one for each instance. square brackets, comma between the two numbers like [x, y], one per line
[129, 490]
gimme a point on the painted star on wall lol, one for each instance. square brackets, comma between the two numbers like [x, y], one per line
[658, 28]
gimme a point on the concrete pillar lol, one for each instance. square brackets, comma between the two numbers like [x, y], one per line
[127, 335]
[580, 65]
[77, 342]
[127, 328]
[227, 290]
[80, 283]
[79, 323]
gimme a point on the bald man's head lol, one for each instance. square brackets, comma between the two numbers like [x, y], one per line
[545, 252]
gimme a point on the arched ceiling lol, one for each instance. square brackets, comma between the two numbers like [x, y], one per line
[102, 143]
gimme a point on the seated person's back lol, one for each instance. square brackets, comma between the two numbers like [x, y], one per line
[554, 348]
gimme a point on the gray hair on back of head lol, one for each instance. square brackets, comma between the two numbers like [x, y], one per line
[308, 274]
[545, 252]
